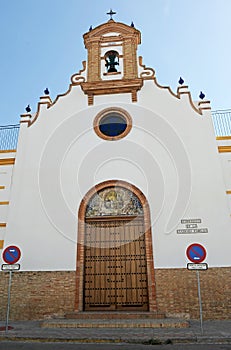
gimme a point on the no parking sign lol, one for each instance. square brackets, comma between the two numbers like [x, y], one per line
[196, 253]
[11, 254]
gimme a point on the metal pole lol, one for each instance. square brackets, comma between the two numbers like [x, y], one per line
[8, 302]
[200, 302]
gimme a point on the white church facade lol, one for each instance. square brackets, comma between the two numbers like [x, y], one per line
[109, 185]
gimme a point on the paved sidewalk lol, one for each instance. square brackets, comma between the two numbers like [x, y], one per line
[214, 332]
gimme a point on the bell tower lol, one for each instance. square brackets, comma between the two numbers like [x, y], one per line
[112, 63]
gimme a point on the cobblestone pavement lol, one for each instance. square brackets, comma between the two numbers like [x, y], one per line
[214, 332]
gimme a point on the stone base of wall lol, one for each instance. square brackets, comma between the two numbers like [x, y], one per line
[39, 295]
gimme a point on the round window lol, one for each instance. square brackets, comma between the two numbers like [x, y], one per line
[112, 124]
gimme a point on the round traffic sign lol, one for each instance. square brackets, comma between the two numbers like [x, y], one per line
[11, 254]
[196, 253]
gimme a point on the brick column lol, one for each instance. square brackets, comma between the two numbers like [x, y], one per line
[93, 73]
[130, 62]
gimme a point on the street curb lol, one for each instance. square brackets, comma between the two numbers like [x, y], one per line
[159, 340]
[214, 340]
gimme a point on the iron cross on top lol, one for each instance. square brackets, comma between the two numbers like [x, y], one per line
[111, 13]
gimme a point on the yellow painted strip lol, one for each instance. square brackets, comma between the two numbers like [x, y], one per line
[223, 137]
[2, 224]
[7, 161]
[4, 203]
[1, 243]
[228, 192]
[223, 149]
[2, 187]
[7, 150]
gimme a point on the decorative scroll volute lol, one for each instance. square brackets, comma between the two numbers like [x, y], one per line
[78, 78]
[147, 73]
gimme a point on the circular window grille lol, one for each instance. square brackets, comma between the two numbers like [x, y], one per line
[112, 124]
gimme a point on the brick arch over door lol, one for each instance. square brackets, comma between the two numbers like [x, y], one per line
[79, 302]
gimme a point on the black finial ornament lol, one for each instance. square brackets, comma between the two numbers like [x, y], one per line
[90, 29]
[46, 91]
[111, 13]
[202, 95]
[132, 25]
[28, 109]
[181, 81]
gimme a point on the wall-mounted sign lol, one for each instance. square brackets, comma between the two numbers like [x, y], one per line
[190, 226]
[193, 230]
[191, 221]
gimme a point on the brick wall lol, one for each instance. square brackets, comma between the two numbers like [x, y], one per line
[37, 295]
[177, 292]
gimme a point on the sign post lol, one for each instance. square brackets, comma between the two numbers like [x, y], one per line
[197, 253]
[10, 255]
[200, 302]
[8, 302]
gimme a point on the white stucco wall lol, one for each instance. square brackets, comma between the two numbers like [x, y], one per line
[170, 155]
[6, 174]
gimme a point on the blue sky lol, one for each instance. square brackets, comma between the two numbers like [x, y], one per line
[42, 46]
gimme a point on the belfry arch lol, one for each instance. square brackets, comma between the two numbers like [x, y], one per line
[115, 269]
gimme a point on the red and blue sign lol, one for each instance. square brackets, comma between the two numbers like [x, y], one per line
[11, 254]
[196, 253]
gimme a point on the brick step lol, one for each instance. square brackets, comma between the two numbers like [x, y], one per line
[115, 315]
[112, 323]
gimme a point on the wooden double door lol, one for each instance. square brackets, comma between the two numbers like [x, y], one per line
[115, 268]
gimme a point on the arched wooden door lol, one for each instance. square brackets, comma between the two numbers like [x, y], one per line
[115, 272]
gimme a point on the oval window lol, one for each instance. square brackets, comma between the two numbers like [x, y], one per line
[112, 124]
